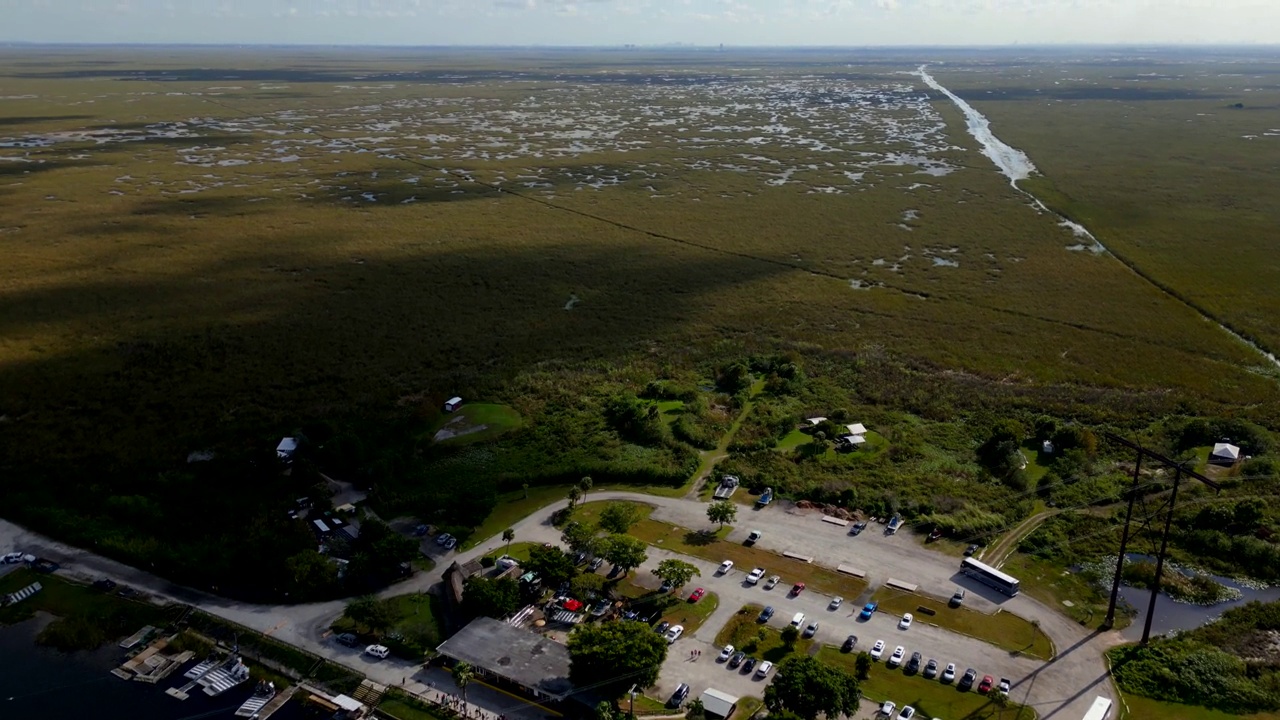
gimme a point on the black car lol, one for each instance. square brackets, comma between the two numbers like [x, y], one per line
[104, 585]
[970, 550]
[966, 682]
[661, 627]
[913, 665]
[765, 614]
[857, 528]
[737, 659]
[128, 592]
[678, 697]
[931, 669]
[849, 643]
[749, 665]
[348, 639]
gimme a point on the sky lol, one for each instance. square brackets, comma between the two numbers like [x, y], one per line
[643, 22]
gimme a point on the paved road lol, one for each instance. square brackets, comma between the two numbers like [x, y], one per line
[1062, 688]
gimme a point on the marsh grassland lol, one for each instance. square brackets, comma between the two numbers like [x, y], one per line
[206, 249]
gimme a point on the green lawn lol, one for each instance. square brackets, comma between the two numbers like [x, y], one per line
[930, 698]
[404, 710]
[590, 512]
[670, 410]
[1141, 708]
[692, 615]
[517, 550]
[716, 549]
[1004, 630]
[1052, 583]
[644, 705]
[1037, 461]
[513, 507]
[476, 422]
[415, 624]
[755, 639]
[793, 440]
[87, 618]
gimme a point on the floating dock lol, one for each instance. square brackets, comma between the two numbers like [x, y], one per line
[151, 665]
[137, 638]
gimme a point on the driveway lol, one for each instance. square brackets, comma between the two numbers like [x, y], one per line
[1062, 688]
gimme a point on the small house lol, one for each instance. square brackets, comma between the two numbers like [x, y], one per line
[287, 447]
[452, 404]
[1224, 454]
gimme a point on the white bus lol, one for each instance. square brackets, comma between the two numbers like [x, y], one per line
[988, 575]
[1101, 709]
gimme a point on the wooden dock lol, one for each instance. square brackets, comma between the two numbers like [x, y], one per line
[276, 703]
[135, 639]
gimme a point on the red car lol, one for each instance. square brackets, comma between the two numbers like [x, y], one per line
[985, 685]
[696, 595]
[797, 588]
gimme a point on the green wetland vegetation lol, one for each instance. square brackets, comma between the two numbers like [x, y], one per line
[207, 251]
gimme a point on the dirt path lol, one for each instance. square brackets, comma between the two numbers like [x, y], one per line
[1000, 552]
[711, 458]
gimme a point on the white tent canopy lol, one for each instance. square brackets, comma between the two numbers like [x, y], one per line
[857, 429]
[1225, 451]
[814, 421]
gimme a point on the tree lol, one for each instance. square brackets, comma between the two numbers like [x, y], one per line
[862, 665]
[723, 512]
[615, 654]
[312, 573]
[624, 551]
[575, 494]
[372, 613]
[525, 487]
[509, 534]
[586, 584]
[676, 572]
[585, 484]
[553, 565]
[462, 676]
[618, 517]
[580, 537]
[696, 711]
[490, 598]
[790, 634]
[809, 688]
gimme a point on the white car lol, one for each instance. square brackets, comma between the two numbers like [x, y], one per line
[836, 602]
[949, 674]
[673, 633]
[896, 658]
[772, 582]
[12, 558]
[763, 669]
[905, 622]
[888, 707]
[878, 649]
[755, 576]
[907, 713]
[379, 651]
[725, 654]
[797, 620]
[725, 567]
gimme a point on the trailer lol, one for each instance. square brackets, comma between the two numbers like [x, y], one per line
[728, 486]
[766, 497]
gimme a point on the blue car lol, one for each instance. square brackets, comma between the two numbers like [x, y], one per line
[867, 611]
[765, 614]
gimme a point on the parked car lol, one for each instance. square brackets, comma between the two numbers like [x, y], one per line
[986, 684]
[596, 564]
[41, 565]
[127, 592]
[849, 643]
[104, 585]
[907, 713]
[772, 582]
[379, 651]
[1004, 686]
[679, 696]
[737, 659]
[420, 530]
[835, 603]
[913, 665]
[754, 536]
[887, 708]
[662, 627]
[443, 538]
[348, 639]
[725, 567]
[697, 595]
[896, 658]
[958, 599]
[966, 681]
[763, 670]
[12, 558]
[877, 650]
[811, 630]
[755, 575]
[969, 551]
[673, 633]
[868, 610]
[725, 654]
[451, 543]
[857, 528]
[797, 589]
[949, 674]
[765, 614]
[905, 622]
[931, 669]
[749, 665]
[797, 620]
[579, 558]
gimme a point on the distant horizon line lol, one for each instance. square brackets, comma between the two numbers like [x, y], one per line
[656, 46]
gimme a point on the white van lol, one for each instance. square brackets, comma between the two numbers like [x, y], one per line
[797, 621]
[378, 651]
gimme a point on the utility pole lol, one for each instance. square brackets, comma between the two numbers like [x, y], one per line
[1179, 470]
[1110, 621]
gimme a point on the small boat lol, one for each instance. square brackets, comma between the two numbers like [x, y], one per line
[766, 497]
[262, 695]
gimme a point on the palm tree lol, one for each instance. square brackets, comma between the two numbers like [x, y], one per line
[462, 675]
[585, 484]
[575, 494]
[509, 535]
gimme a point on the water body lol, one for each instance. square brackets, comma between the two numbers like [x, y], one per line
[1015, 165]
[1172, 615]
[37, 682]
